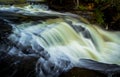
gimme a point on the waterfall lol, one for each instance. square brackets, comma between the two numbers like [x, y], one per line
[61, 42]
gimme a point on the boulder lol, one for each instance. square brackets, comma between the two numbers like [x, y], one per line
[90, 68]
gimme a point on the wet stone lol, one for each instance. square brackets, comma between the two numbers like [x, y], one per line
[14, 66]
[5, 31]
[81, 72]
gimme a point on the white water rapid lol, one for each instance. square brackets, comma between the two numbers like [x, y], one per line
[61, 42]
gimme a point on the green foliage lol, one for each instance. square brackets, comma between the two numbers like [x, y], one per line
[99, 16]
[81, 7]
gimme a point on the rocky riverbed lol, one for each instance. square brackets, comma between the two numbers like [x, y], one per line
[25, 65]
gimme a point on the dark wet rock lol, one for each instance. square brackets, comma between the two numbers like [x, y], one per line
[5, 31]
[90, 68]
[14, 66]
[14, 17]
[5, 27]
[111, 70]
[98, 66]
[48, 68]
[82, 72]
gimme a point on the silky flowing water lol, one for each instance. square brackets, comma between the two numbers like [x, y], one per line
[60, 42]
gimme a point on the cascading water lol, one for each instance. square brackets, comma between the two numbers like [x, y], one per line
[59, 42]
